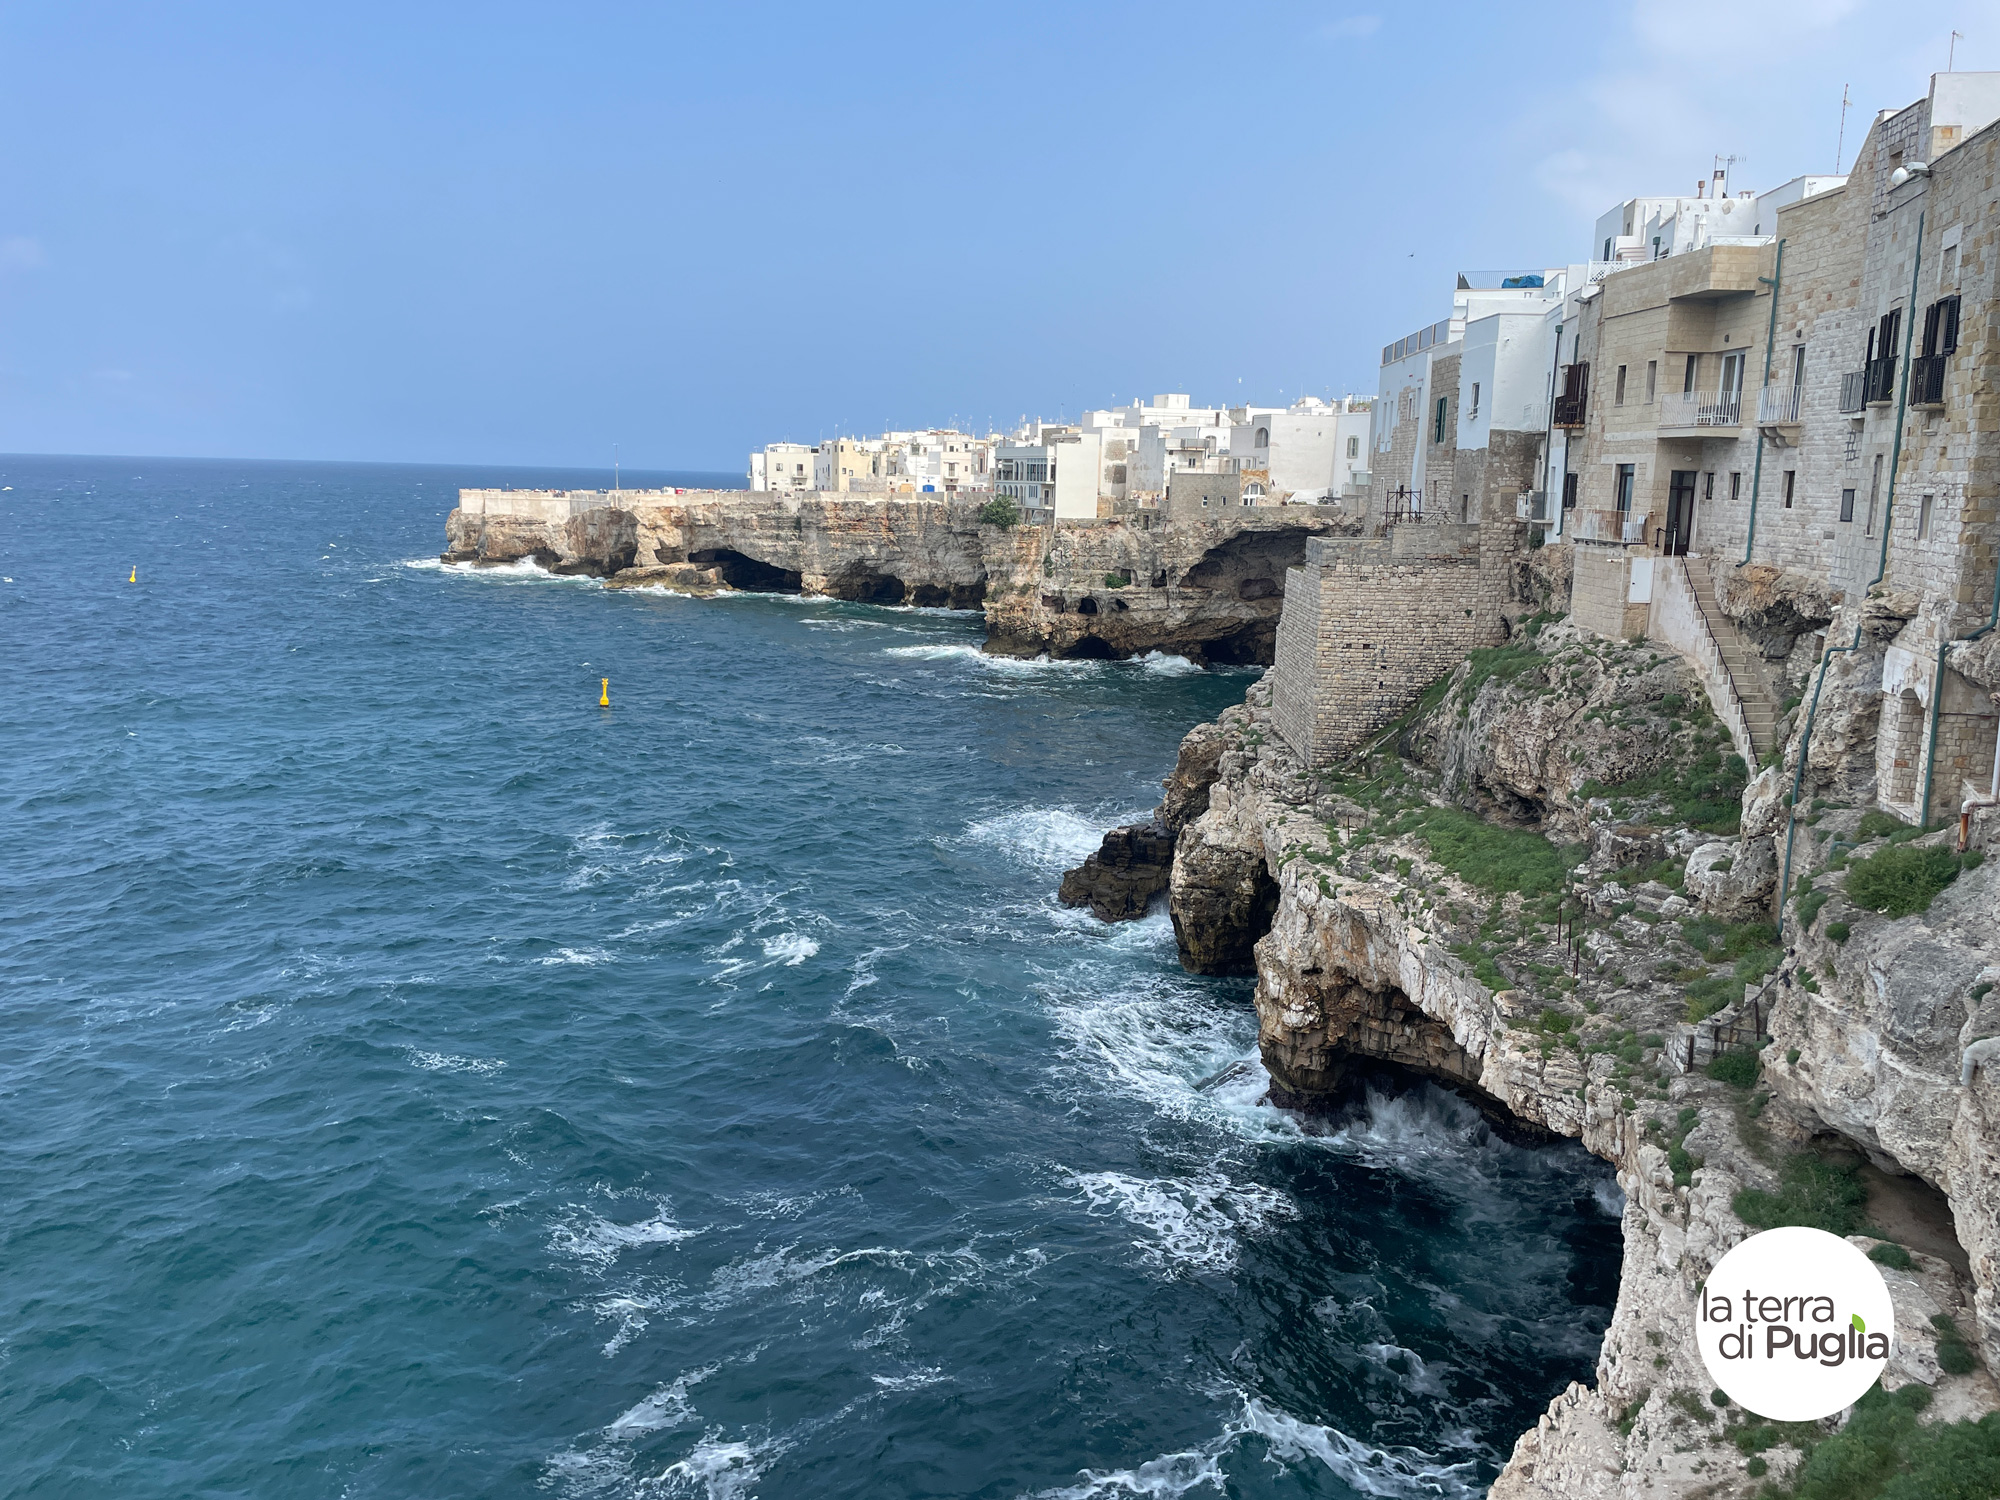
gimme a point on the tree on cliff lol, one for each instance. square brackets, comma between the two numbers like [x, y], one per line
[1000, 511]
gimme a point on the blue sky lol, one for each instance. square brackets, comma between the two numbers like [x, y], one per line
[507, 233]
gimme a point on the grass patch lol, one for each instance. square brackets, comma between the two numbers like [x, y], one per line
[1894, 1256]
[1877, 824]
[1485, 855]
[1738, 1069]
[1705, 793]
[1901, 881]
[1811, 1192]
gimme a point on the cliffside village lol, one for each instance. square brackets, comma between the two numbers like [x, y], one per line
[1746, 417]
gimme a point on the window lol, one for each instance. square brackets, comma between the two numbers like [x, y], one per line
[1652, 379]
[1708, 485]
[1874, 493]
[1798, 369]
[1118, 473]
[1924, 519]
[1569, 491]
[1735, 486]
[1354, 447]
[1437, 422]
[1475, 399]
[1791, 480]
[1618, 395]
[1465, 507]
[1847, 505]
[1941, 327]
[1624, 489]
[1693, 369]
[1607, 250]
[1263, 439]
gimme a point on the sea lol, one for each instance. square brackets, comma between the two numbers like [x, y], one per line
[419, 1079]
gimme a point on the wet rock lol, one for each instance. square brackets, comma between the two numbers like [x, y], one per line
[1118, 882]
[682, 578]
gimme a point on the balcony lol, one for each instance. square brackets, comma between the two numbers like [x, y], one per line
[1570, 405]
[1927, 380]
[1778, 405]
[1701, 409]
[1879, 381]
[1852, 384]
[1611, 526]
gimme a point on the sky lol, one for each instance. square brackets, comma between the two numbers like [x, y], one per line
[527, 234]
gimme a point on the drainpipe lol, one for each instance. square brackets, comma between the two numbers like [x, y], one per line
[1881, 569]
[1775, 281]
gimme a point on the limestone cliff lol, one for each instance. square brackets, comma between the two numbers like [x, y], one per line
[1627, 991]
[1210, 590]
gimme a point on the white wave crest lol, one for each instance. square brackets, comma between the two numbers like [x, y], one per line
[790, 948]
[666, 1407]
[524, 570]
[589, 957]
[1193, 1223]
[1049, 838]
[1162, 664]
[715, 1470]
[590, 1237]
[1404, 1473]
[444, 1062]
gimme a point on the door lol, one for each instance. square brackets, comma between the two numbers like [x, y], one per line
[1729, 398]
[1680, 513]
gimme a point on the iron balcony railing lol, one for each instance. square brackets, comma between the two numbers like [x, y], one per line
[1927, 380]
[1853, 386]
[1880, 384]
[1778, 404]
[1701, 409]
[1573, 400]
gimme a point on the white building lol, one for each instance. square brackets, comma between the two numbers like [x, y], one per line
[783, 466]
[1059, 474]
[1309, 451]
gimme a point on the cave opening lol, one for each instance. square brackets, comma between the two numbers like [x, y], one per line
[862, 585]
[1090, 648]
[747, 573]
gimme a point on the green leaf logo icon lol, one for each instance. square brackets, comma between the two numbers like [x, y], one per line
[1859, 1326]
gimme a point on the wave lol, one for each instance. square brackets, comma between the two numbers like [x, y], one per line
[790, 948]
[592, 1238]
[589, 957]
[1404, 1473]
[666, 1407]
[525, 570]
[1161, 664]
[1193, 1223]
[444, 1062]
[716, 1470]
[1047, 838]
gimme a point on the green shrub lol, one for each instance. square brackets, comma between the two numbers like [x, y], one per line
[1876, 825]
[1901, 881]
[1886, 1453]
[1116, 580]
[1954, 1354]
[1000, 511]
[1972, 859]
[1811, 1192]
[1738, 1069]
[1840, 932]
[1892, 1255]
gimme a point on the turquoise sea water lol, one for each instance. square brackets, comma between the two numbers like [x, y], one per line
[419, 1081]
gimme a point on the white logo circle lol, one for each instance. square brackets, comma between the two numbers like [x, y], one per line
[1795, 1324]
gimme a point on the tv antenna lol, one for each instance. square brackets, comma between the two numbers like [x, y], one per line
[1840, 150]
[615, 486]
[1951, 54]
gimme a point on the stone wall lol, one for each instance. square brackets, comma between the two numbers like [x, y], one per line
[1368, 625]
[1600, 593]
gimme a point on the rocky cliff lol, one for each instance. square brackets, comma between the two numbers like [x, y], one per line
[1550, 890]
[1208, 590]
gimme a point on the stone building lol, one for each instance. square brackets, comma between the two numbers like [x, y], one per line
[1782, 435]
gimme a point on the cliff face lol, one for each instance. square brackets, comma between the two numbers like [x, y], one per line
[1208, 590]
[1391, 925]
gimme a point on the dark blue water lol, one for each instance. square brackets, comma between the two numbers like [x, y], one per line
[417, 1080]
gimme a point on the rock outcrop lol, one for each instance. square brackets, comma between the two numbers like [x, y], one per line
[1135, 863]
[1563, 1007]
[1209, 590]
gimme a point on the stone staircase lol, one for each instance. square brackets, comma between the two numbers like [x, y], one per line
[1740, 657]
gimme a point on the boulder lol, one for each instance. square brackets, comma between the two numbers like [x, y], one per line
[1118, 882]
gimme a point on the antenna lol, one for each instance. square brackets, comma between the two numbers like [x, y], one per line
[1951, 55]
[614, 469]
[1840, 150]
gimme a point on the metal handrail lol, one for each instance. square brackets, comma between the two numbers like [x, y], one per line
[1708, 628]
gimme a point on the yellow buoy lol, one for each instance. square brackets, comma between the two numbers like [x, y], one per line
[135, 574]
[604, 694]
